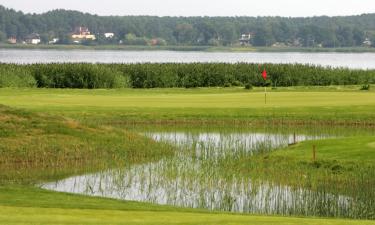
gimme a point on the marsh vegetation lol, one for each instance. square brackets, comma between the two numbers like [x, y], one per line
[230, 170]
[169, 75]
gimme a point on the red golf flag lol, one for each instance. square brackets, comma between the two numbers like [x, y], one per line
[264, 74]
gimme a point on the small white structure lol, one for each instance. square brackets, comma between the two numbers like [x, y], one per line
[109, 35]
[367, 42]
[279, 45]
[33, 39]
[245, 39]
[53, 41]
[12, 40]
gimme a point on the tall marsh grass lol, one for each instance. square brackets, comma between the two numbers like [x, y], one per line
[15, 76]
[233, 172]
[188, 75]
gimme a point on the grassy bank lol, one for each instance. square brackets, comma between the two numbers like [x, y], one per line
[106, 47]
[36, 146]
[49, 134]
[20, 205]
[340, 165]
[346, 150]
[188, 48]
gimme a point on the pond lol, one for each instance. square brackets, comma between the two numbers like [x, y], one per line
[195, 176]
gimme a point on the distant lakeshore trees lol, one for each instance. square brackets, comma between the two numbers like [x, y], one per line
[347, 31]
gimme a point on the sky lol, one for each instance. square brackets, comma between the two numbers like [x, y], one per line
[287, 8]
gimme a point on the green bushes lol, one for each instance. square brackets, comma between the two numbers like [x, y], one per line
[15, 76]
[166, 75]
[78, 76]
[248, 86]
[365, 87]
[223, 74]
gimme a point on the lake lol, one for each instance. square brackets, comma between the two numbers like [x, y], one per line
[349, 60]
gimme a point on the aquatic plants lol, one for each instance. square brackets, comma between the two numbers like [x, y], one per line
[188, 75]
[79, 75]
[239, 172]
[15, 76]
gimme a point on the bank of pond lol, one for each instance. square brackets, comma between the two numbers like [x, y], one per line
[247, 169]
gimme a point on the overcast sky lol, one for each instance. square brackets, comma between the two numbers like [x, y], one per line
[293, 8]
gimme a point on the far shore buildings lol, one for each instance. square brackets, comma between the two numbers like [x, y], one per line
[109, 35]
[53, 41]
[245, 39]
[367, 43]
[82, 34]
[12, 40]
[33, 39]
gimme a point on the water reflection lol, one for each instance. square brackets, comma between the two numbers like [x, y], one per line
[145, 183]
[231, 141]
[350, 60]
[191, 178]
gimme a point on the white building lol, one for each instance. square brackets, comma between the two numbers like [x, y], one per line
[367, 42]
[53, 41]
[33, 39]
[109, 35]
[82, 33]
[12, 40]
[245, 39]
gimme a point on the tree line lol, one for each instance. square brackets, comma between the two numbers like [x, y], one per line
[346, 31]
[181, 75]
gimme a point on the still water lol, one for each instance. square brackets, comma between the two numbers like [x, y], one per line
[350, 60]
[194, 177]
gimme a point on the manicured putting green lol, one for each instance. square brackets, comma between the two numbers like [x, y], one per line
[179, 98]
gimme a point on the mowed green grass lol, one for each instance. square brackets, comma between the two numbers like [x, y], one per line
[180, 98]
[353, 149]
[337, 103]
[25, 215]
[34, 206]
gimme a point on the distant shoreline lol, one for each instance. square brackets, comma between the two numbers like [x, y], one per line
[189, 48]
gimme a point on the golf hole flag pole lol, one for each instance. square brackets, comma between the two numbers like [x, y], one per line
[264, 75]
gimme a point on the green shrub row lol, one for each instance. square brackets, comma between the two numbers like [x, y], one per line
[162, 75]
[16, 76]
[78, 75]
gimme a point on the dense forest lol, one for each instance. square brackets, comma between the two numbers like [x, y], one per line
[322, 31]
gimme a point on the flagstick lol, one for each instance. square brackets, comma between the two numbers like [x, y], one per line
[265, 95]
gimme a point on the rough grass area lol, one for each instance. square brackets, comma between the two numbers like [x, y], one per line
[38, 146]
